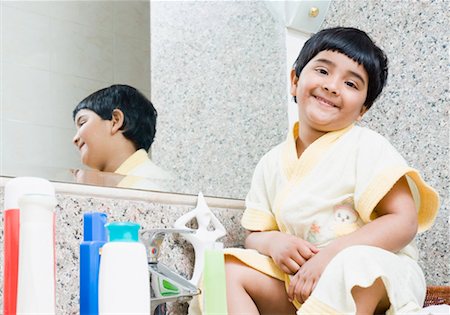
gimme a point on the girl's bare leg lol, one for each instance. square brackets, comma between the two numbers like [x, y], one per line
[252, 292]
[371, 300]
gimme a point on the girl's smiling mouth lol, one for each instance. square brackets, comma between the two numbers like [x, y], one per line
[326, 102]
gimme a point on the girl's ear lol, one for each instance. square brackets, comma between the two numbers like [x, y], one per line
[117, 120]
[294, 80]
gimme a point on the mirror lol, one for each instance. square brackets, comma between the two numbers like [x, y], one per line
[215, 71]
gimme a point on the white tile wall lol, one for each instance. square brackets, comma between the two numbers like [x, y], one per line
[34, 145]
[25, 38]
[97, 14]
[67, 91]
[132, 18]
[131, 62]
[25, 93]
[82, 51]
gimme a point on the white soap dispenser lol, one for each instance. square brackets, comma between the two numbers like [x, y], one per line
[205, 236]
[124, 280]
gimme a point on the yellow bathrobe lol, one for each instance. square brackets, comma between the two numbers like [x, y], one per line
[330, 191]
[142, 173]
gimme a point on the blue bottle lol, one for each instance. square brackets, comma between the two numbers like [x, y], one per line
[94, 237]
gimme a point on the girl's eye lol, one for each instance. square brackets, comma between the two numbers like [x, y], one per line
[322, 71]
[351, 84]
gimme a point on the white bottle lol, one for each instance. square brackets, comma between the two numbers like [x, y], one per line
[13, 232]
[124, 280]
[36, 274]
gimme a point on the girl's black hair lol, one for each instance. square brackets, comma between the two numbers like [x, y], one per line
[356, 45]
[139, 124]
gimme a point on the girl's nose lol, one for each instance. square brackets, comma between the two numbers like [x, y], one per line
[331, 86]
[75, 139]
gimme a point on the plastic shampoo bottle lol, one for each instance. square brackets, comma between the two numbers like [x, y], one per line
[124, 280]
[29, 246]
[94, 237]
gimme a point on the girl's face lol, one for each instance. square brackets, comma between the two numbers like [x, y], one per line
[92, 138]
[330, 92]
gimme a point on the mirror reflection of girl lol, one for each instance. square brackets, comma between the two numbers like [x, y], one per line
[115, 128]
[300, 255]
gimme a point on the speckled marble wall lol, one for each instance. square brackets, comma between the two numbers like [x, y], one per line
[413, 111]
[177, 254]
[218, 73]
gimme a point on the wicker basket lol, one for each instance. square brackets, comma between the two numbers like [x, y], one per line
[437, 295]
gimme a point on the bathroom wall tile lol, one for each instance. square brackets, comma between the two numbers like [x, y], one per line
[42, 97]
[26, 146]
[25, 38]
[94, 14]
[67, 92]
[132, 18]
[81, 51]
[68, 157]
[147, 94]
[25, 93]
[43, 8]
[132, 61]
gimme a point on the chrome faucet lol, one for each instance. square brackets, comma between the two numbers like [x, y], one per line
[166, 285]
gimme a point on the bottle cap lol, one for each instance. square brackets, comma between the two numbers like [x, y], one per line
[19, 186]
[123, 231]
[94, 226]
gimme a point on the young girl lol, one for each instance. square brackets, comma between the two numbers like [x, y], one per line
[333, 211]
[115, 129]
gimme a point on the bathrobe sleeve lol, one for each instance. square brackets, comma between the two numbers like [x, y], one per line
[258, 214]
[379, 166]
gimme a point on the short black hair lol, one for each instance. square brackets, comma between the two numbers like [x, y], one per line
[355, 44]
[139, 125]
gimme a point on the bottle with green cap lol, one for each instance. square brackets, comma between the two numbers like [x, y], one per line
[124, 286]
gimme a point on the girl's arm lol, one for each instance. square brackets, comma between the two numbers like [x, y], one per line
[393, 229]
[287, 251]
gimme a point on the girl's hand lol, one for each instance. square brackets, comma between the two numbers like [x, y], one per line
[305, 280]
[393, 229]
[290, 252]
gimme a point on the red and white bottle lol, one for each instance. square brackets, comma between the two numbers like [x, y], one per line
[29, 246]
